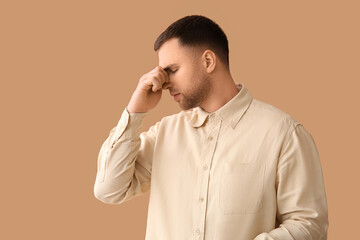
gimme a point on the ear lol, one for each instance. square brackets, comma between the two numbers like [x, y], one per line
[209, 62]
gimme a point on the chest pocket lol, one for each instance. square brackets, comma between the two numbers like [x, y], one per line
[241, 187]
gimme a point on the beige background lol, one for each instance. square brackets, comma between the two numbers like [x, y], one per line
[68, 69]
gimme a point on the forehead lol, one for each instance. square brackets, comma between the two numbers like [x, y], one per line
[172, 53]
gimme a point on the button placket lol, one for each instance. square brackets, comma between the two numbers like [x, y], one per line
[210, 144]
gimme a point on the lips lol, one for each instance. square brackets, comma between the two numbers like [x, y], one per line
[173, 94]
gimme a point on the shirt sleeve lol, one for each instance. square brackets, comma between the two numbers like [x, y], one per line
[301, 199]
[125, 160]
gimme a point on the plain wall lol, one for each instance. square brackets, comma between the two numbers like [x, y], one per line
[68, 69]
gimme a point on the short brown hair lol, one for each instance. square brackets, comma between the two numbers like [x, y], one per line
[200, 31]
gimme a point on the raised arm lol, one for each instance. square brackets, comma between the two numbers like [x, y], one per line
[125, 157]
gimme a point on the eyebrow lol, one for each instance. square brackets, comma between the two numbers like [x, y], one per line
[169, 66]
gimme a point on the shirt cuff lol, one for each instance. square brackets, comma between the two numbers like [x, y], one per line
[128, 126]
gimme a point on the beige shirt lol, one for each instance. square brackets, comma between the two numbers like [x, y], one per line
[246, 171]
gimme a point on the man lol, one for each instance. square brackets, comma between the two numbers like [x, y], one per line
[227, 166]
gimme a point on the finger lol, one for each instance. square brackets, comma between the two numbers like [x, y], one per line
[164, 74]
[162, 77]
[151, 83]
[157, 83]
[164, 86]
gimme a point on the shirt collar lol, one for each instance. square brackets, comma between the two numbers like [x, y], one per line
[230, 113]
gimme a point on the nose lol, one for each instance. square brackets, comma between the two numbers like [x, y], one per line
[166, 85]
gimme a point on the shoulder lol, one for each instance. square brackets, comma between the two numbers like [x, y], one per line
[268, 114]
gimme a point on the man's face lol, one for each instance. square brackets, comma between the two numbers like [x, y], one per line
[187, 74]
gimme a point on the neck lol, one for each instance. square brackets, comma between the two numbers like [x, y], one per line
[222, 91]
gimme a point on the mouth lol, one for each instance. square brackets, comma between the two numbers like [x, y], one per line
[176, 96]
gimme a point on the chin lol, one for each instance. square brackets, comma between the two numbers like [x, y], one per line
[185, 108]
[182, 107]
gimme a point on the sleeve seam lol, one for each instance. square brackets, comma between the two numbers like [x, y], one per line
[289, 136]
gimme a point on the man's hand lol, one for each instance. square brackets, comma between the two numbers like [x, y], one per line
[148, 92]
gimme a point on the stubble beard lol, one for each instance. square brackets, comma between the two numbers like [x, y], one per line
[197, 95]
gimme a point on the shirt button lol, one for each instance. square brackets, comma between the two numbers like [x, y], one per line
[210, 138]
[205, 167]
[197, 231]
[201, 199]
